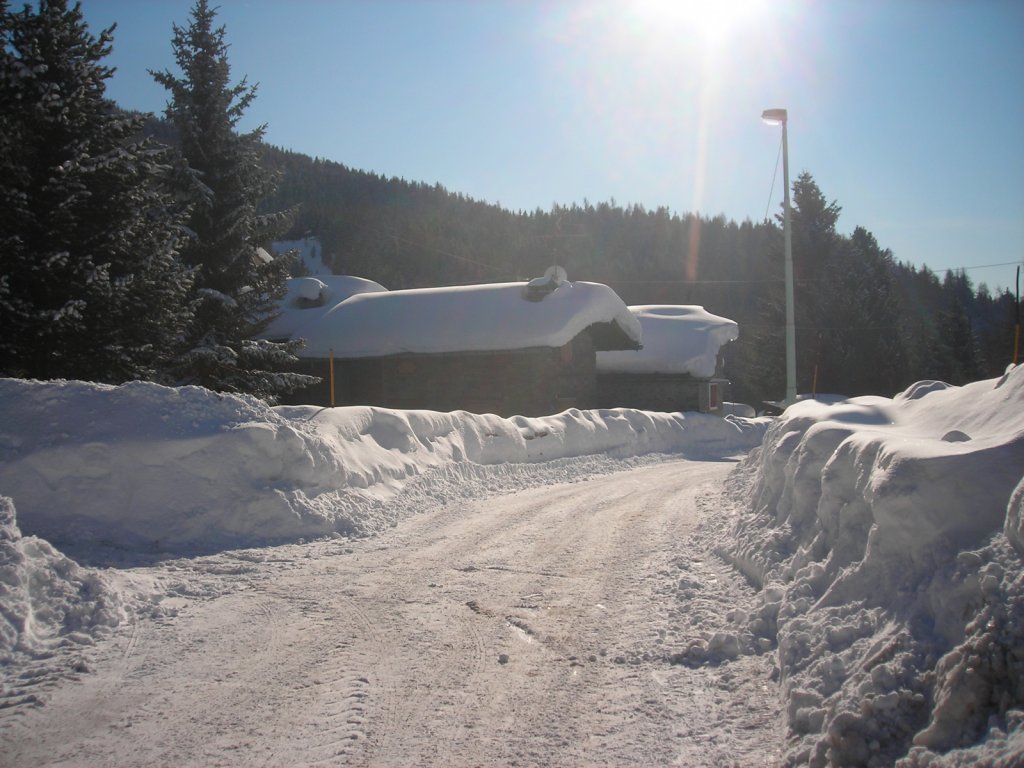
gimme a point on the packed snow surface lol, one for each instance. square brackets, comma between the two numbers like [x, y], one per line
[884, 537]
[680, 339]
[468, 318]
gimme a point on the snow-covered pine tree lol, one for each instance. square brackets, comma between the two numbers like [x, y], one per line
[91, 286]
[236, 289]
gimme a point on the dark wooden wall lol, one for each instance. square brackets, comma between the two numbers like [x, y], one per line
[531, 382]
[667, 393]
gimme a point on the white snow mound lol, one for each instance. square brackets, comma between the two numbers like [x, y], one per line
[886, 536]
[46, 599]
[156, 468]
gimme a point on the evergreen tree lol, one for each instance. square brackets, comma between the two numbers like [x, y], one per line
[90, 283]
[815, 248]
[995, 318]
[814, 228]
[236, 289]
[955, 354]
[862, 350]
[764, 336]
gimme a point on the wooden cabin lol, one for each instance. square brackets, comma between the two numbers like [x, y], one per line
[679, 367]
[509, 348]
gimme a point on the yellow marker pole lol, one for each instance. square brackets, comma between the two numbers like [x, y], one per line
[332, 377]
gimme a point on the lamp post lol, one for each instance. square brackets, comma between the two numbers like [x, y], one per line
[779, 117]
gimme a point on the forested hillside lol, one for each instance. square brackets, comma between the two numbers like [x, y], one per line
[866, 323]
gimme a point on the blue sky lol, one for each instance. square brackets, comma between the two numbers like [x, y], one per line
[909, 114]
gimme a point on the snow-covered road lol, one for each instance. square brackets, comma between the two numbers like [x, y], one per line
[543, 627]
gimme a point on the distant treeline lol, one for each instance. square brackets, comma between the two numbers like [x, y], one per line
[866, 323]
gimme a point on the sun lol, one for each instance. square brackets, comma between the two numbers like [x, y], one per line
[712, 21]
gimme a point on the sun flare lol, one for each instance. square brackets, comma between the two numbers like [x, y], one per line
[713, 21]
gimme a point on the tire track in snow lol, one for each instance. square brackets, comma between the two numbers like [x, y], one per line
[100, 672]
[350, 690]
[433, 652]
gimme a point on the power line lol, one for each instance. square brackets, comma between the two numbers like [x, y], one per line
[422, 246]
[981, 266]
[696, 282]
[774, 174]
[801, 280]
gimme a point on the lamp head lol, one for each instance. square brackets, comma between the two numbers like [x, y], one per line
[774, 116]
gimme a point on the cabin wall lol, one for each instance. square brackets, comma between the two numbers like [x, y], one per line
[531, 382]
[666, 393]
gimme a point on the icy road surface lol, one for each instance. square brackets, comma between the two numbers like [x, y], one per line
[537, 628]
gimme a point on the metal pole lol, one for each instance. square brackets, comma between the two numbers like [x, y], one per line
[790, 322]
[1016, 327]
[332, 377]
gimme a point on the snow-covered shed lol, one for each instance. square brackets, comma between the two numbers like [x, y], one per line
[307, 299]
[679, 367]
[505, 348]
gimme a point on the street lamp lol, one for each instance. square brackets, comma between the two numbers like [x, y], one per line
[779, 117]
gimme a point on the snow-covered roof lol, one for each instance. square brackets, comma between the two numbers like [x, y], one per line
[309, 298]
[681, 339]
[470, 318]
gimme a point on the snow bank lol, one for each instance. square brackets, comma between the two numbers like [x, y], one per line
[681, 339]
[886, 537]
[47, 600]
[154, 468]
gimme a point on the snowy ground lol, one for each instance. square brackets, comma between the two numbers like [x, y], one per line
[244, 585]
[537, 628]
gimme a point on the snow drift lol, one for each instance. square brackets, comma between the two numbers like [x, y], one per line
[159, 469]
[885, 535]
[47, 599]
